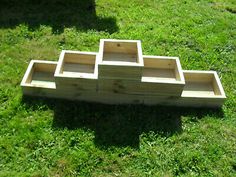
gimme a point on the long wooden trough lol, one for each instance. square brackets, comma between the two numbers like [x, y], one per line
[120, 74]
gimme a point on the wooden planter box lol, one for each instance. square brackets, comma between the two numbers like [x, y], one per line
[120, 74]
[162, 76]
[77, 71]
[39, 78]
[120, 59]
[203, 88]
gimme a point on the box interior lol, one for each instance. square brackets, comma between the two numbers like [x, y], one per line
[42, 75]
[115, 51]
[78, 64]
[200, 85]
[158, 69]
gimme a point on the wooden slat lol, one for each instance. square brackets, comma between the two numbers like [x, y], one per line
[120, 57]
[202, 88]
[41, 79]
[137, 87]
[198, 88]
[119, 72]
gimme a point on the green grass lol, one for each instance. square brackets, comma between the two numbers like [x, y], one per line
[60, 138]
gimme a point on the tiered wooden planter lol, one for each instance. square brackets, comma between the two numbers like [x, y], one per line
[120, 74]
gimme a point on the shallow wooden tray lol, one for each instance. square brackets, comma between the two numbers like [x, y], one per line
[39, 78]
[40, 74]
[202, 84]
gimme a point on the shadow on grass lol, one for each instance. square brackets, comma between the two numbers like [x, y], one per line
[118, 125]
[58, 14]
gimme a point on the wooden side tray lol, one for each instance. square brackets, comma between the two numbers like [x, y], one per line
[120, 59]
[39, 78]
[77, 71]
[203, 88]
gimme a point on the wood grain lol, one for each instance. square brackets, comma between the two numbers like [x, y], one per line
[120, 74]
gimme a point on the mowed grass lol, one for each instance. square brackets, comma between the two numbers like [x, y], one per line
[41, 137]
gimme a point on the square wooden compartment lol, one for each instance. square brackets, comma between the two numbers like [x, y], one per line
[74, 64]
[202, 84]
[160, 69]
[40, 74]
[120, 52]
[120, 59]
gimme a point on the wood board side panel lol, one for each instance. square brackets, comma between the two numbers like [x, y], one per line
[120, 47]
[76, 84]
[117, 98]
[120, 72]
[80, 58]
[139, 88]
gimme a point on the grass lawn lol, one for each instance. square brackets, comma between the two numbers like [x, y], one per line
[40, 137]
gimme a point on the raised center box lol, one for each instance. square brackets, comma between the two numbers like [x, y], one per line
[120, 59]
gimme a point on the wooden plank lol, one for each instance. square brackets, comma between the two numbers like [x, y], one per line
[118, 98]
[79, 70]
[119, 72]
[120, 57]
[200, 89]
[158, 75]
[161, 68]
[74, 85]
[185, 101]
[162, 75]
[120, 46]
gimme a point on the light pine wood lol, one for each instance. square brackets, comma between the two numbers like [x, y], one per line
[138, 88]
[202, 84]
[162, 75]
[80, 70]
[158, 75]
[198, 89]
[40, 74]
[72, 64]
[120, 59]
[77, 70]
[120, 74]
[40, 79]
[161, 68]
